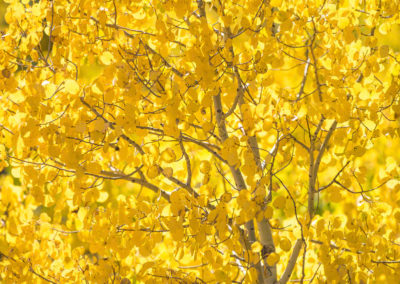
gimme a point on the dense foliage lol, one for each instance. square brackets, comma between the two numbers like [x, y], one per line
[203, 141]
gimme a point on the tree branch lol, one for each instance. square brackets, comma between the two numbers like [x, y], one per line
[237, 175]
[292, 262]
[334, 179]
[323, 147]
[188, 166]
[123, 136]
[41, 276]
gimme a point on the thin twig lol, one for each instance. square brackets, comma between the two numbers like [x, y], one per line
[187, 159]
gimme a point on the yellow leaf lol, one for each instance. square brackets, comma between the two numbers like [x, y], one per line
[81, 126]
[152, 171]
[226, 197]
[13, 226]
[71, 86]
[168, 155]
[275, 3]
[369, 124]
[207, 126]
[220, 276]
[335, 195]
[261, 67]
[102, 197]
[384, 28]
[205, 167]
[107, 58]
[272, 259]
[268, 213]
[285, 244]
[4, 246]
[168, 172]
[176, 229]
[99, 125]
[384, 51]
[256, 247]
[267, 125]
[397, 215]
[279, 202]
[343, 22]
[93, 168]
[358, 151]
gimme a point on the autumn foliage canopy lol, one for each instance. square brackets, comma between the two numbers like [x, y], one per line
[200, 141]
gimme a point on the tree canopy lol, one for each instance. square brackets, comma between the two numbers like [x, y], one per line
[205, 141]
